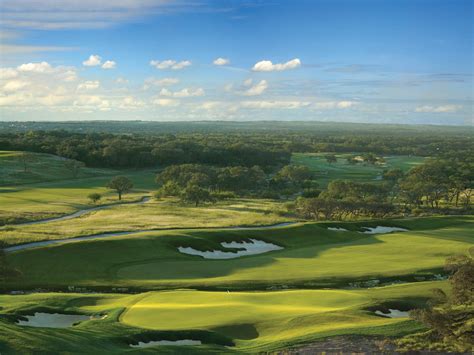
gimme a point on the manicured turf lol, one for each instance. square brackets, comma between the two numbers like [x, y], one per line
[253, 321]
[325, 172]
[312, 255]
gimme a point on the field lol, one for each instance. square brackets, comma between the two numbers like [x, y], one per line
[319, 284]
[325, 172]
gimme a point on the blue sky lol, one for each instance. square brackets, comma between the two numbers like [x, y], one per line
[407, 61]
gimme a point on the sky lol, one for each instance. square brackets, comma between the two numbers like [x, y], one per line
[377, 61]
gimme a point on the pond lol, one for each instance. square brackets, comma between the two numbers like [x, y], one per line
[253, 247]
[54, 320]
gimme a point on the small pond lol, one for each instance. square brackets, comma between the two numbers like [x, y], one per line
[182, 342]
[253, 247]
[54, 320]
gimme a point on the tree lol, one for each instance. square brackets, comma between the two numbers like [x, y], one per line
[73, 166]
[449, 316]
[331, 158]
[121, 184]
[294, 174]
[196, 194]
[94, 197]
[26, 158]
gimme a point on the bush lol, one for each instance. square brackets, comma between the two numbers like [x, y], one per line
[94, 197]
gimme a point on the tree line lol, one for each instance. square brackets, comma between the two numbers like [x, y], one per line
[226, 148]
[438, 185]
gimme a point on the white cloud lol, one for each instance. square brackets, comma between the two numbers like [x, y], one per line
[257, 89]
[325, 105]
[42, 67]
[92, 102]
[73, 14]
[14, 85]
[149, 82]
[166, 102]
[109, 64]
[8, 73]
[221, 61]
[130, 103]
[274, 104]
[68, 75]
[170, 64]
[248, 82]
[88, 85]
[121, 80]
[267, 65]
[439, 109]
[186, 92]
[93, 61]
[41, 85]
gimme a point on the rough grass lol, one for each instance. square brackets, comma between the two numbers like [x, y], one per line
[312, 256]
[163, 214]
[325, 172]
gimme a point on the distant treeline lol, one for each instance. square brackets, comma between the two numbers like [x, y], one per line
[228, 148]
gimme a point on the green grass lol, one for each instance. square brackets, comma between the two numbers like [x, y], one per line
[325, 172]
[44, 200]
[312, 256]
[42, 168]
[254, 321]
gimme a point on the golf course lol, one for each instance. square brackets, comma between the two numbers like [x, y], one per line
[238, 275]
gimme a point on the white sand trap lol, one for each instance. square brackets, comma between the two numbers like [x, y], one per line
[382, 229]
[393, 313]
[337, 229]
[248, 248]
[53, 320]
[183, 342]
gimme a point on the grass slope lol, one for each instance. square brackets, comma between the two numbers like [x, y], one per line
[312, 255]
[41, 168]
[44, 200]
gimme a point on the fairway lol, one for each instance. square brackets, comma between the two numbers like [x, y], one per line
[311, 255]
[363, 172]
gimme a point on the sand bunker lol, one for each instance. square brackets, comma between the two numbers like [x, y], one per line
[183, 342]
[337, 229]
[382, 229]
[393, 313]
[247, 248]
[53, 320]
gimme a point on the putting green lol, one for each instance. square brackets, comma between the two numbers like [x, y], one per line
[275, 317]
